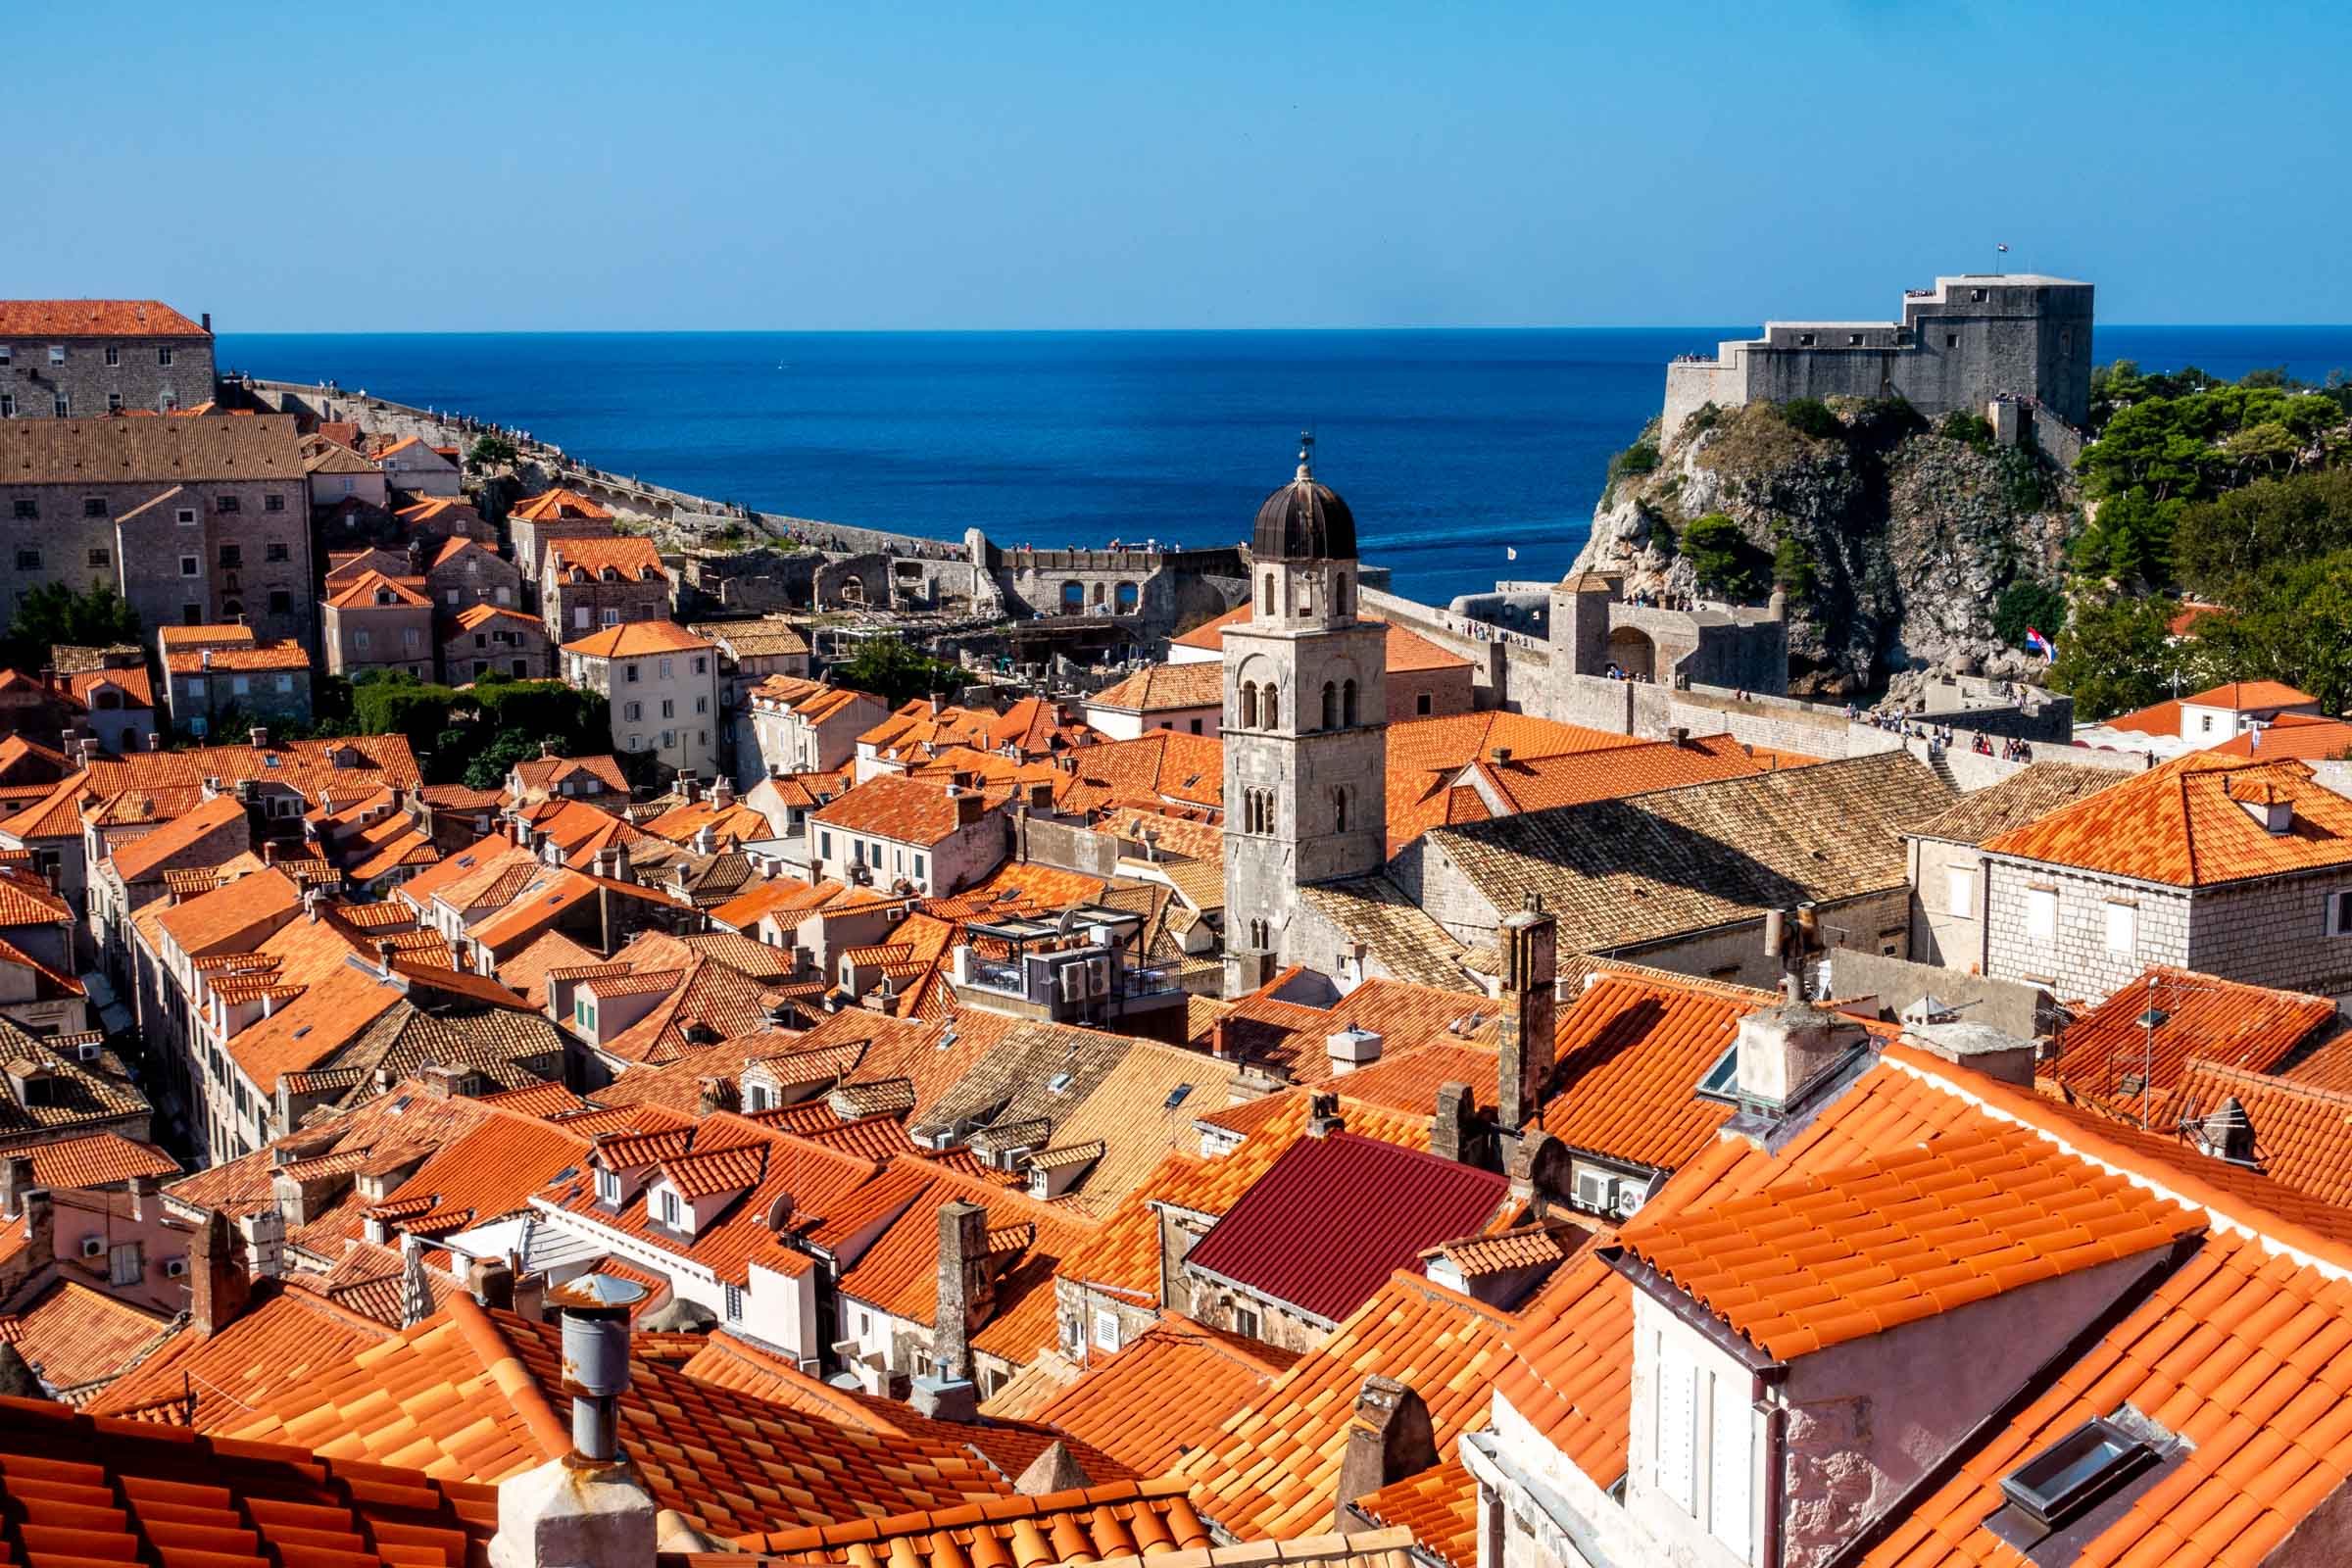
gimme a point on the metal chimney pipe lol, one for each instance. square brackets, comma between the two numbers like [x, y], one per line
[595, 1359]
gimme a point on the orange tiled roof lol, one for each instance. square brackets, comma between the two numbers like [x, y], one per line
[2221, 1020]
[147, 854]
[639, 639]
[2302, 1135]
[632, 556]
[1822, 1259]
[1273, 1472]
[1165, 688]
[558, 503]
[473, 1393]
[2250, 696]
[907, 810]
[85, 1491]
[98, 1161]
[2308, 736]
[95, 318]
[361, 594]
[75, 1336]
[2182, 824]
[1630, 1053]
[1438, 1505]
[1122, 1404]
[1104, 1523]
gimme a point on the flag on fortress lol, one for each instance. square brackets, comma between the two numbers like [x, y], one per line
[2042, 644]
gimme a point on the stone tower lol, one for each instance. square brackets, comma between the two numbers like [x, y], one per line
[1305, 724]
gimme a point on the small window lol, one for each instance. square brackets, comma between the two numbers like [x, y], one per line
[1107, 1329]
[281, 600]
[2085, 1465]
[1853, 340]
[56, 354]
[670, 1207]
[163, 355]
[1805, 340]
[274, 503]
[1951, 340]
[102, 557]
[1977, 296]
[275, 550]
[1422, 704]
[1245, 1322]
[7, 404]
[2042, 914]
[2339, 915]
[2123, 928]
[123, 1264]
[233, 556]
[93, 506]
[114, 403]
[734, 1303]
[26, 507]
[607, 1187]
[1960, 891]
[189, 565]
[28, 561]
[114, 353]
[226, 504]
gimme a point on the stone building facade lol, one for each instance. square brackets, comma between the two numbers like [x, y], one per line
[487, 638]
[1305, 724]
[662, 682]
[1959, 346]
[197, 520]
[460, 573]
[380, 622]
[588, 584]
[86, 359]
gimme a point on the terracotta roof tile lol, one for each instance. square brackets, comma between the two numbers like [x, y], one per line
[1819, 1260]
[904, 810]
[638, 639]
[1273, 1471]
[2182, 824]
[101, 1159]
[76, 1336]
[1102, 1523]
[1164, 688]
[2109, 1055]
[1122, 1404]
[95, 318]
[558, 503]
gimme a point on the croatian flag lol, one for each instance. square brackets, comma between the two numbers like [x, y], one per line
[2042, 644]
[2003, 249]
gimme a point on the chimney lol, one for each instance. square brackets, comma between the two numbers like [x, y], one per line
[264, 1234]
[722, 794]
[217, 1284]
[260, 738]
[1678, 734]
[443, 1082]
[1351, 1048]
[155, 740]
[15, 1180]
[712, 1095]
[1453, 1129]
[40, 1229]
[2228, 1132]
[385, 948]
[1390, 1438]
[705, 840]
[967, 1289]
[208, 320]
[968, 806]
[490, 1281]
[1785, 1049]
[1323, 1116]
[586, 1509]
[1529, 1014]
[269, 852]
[146, 1195]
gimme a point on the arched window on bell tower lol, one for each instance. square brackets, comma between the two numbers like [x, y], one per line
[1265, 594]
[1270, 701]
[1339, 807]
[1330, 706]
[1249, 705]
[1347, 703]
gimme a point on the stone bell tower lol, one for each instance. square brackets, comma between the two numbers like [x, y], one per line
[1305, 724]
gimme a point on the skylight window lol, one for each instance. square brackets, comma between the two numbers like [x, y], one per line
[1058, 1084]
[1176, 1096]
[1723, 1079]
[2081, 1469]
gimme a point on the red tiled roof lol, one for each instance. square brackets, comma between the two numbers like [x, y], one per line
[99, 1160]
[2308, 736]
[2221, 1020]
[557, 502]
[2250, 696]
[95, 318]
[1813, 1262]
[905, 809]
[1111, 1522]
[1122, 1404]
[630, 554]
[2182, 824]
[1630, 1053]
[2302, 1135]
[1336, 1215]
[638, 639]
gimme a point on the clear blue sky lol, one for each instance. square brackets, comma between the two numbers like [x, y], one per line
[750, 165]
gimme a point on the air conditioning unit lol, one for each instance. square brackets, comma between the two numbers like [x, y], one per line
[93, 1246]
[1071, 982]
[1596, 1189]
[1098, 976]
[174, 1268]
[87, 1051]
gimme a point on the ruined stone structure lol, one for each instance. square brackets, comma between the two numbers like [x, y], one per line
[2016, 339]
[1592, 631]
[1306, 718]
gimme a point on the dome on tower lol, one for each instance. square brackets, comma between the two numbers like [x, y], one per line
[1303, 520]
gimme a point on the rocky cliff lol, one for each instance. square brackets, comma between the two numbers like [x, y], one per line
[1894, 542]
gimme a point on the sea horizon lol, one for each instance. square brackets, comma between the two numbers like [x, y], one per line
[1453, 445]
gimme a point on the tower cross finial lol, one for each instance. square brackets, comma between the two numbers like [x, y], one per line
[1306, 453]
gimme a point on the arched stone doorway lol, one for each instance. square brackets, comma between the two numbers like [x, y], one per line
[1633, 654]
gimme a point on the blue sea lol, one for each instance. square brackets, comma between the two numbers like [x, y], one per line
[1450, 446]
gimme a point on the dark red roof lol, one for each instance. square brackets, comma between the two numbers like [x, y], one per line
[1335, 1216]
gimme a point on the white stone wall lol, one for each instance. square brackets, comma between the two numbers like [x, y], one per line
[2076, 962]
